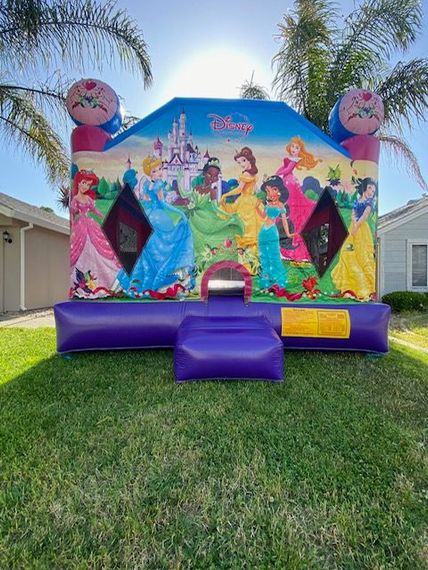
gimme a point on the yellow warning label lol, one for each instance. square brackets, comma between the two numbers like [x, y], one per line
[319, 323]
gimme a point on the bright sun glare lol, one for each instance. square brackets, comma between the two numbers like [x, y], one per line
[216, 73]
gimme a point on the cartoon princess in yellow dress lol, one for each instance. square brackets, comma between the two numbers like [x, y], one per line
[355, 270]
[245, 204]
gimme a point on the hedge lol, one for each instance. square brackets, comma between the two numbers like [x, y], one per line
[406, 301]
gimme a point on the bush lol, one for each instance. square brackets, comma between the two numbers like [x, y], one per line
[406, 301]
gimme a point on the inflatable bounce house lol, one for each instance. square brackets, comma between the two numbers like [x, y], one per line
[226, 229]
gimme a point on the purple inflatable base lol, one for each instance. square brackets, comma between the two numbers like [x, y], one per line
[108, 325]
[232, 348]
[227, 379]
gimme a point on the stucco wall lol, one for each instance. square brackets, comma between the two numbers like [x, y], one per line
[394, 253]
[9, 266]
[47, 267]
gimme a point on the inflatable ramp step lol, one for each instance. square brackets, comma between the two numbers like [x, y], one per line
[228, 348]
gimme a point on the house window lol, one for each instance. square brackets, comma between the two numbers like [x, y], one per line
[417, 279]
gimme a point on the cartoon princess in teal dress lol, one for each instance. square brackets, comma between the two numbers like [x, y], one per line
[272, 269]
[168, 256]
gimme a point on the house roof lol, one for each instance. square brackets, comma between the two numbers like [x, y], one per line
[13, 208]
[402, 215]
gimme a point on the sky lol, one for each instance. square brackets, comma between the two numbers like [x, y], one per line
[205, 49]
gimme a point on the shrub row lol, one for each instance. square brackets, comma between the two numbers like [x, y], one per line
[406, 301]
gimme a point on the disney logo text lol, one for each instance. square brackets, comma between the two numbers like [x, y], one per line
[220, 123]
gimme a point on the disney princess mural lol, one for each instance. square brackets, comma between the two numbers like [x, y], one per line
[207, 182]
[354, 274]
[245, 204]
[211, 226]
[299, 205]
[93, 262]
[272, 269]
[168, 256]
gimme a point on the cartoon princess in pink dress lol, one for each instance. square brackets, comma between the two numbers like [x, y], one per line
[300, 206]
[93, 263]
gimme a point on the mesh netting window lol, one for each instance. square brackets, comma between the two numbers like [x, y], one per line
[324, 232]
[127, 228]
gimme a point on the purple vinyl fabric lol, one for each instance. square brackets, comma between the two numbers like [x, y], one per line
[103, 325]
[232, 348]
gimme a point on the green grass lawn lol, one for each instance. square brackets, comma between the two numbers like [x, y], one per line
[105, 463]
[411, 327]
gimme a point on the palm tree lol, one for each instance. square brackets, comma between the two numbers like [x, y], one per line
[323, 55]
[37, 34]
[251, 90]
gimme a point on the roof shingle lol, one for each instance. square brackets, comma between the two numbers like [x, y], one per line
[28, 210]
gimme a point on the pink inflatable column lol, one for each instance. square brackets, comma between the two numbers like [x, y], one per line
[354, 120]
[95, 108]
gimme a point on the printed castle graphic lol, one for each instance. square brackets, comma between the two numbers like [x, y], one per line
[181, 154]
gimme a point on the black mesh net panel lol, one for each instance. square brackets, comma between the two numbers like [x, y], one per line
[127, 228]
[324, 232]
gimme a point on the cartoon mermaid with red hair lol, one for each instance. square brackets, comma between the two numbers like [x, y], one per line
[93, 263]
[300, 206]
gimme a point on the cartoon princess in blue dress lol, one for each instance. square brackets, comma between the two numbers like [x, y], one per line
[272, 270]
[168, 256]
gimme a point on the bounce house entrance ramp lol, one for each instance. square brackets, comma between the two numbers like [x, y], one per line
[228, 348]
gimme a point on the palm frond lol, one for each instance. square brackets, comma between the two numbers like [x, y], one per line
[23, 124]
[397, 147]
[75, 33]
[377, 28]
[307, 37]
[48, 100]
[372, 33]
[353, 73]
[128, 122]
[405, 93]
[63, 197]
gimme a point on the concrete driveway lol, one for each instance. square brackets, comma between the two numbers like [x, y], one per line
[28, 319]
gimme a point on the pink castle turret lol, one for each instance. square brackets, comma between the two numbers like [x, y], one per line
[158, 148]
[183, 134]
